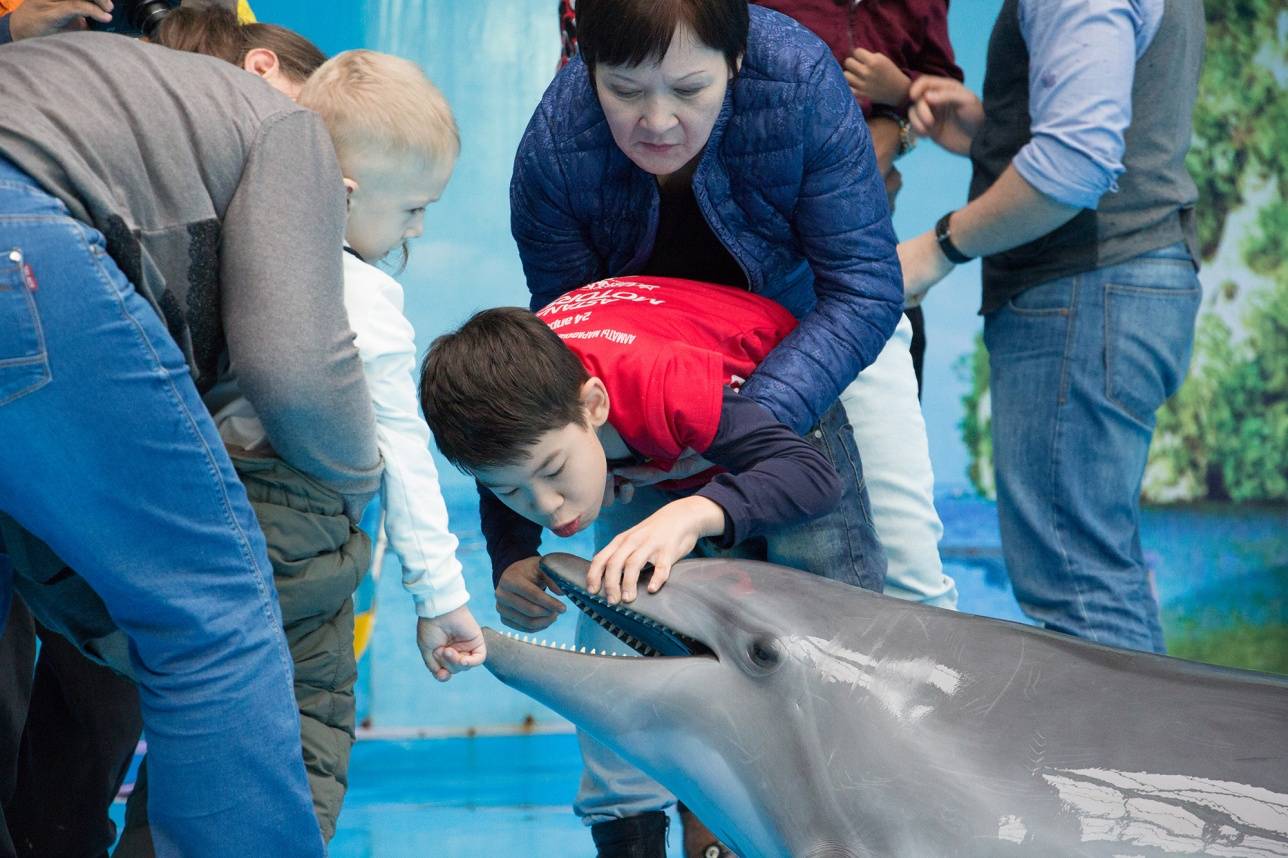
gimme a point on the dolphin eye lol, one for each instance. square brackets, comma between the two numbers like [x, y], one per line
[765, 653]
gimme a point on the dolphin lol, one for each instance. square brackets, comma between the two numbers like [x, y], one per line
[798, 716]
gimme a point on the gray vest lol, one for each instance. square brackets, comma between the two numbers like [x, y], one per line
[1154, 205]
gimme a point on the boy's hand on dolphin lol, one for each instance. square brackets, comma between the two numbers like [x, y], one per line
[450, 643]
[521, 597]
[661, 539]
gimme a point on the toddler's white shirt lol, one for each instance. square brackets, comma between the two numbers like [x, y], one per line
[415, 513]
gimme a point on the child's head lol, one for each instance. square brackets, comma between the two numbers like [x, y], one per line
[284, 58]
[510, 404]
[396, 140]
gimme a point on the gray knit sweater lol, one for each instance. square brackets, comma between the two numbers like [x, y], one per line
[221, 201]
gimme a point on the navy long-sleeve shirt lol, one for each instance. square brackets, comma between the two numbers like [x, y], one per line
[772, 478]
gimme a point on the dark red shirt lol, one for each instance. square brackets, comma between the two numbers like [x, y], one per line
[912, 33]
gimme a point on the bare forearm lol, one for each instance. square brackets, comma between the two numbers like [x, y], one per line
[1010, 213]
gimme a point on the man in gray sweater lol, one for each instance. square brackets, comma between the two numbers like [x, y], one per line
[162, 214]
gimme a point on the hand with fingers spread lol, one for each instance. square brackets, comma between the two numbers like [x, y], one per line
[944, 110]
[450, 643]
[43, 17]
[663, 538]
[521, 597]
[874, 76]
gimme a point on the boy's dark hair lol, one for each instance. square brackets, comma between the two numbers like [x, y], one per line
[631, 32]
[216, 31]
[493, 387]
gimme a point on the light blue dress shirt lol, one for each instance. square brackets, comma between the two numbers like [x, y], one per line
[1082, 59]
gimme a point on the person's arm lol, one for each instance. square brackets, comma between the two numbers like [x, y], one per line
[415, 513]
[35, 18]
[509, 537]
[1080, 104]
[843, 225]
[288, 337]
[523, 599]
[935, 56]
[552, 244]
[774, 477]
[885, 142]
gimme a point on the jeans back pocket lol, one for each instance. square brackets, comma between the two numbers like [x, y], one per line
[24, 365]
[1149, 333]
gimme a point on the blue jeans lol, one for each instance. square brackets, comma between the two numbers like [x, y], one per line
[111, 459]
[1078, 366]
[841, 545]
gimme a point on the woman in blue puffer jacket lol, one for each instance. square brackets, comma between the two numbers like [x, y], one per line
[779, 163]
[704, 140]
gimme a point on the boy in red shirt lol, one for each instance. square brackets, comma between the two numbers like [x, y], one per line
[641, 374]
[638, 376]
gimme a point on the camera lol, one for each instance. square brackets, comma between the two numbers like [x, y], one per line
[136, 17]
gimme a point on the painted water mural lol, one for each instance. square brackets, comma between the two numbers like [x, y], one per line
[1217, 534]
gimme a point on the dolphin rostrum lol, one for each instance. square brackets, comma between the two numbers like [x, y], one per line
[801, 717]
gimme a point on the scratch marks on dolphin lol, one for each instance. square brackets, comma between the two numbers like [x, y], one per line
[899, 685]
[1011, 828]
[1175, 813]
[1019, 662]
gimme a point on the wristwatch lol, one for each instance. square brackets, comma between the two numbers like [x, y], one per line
[944, 236]
[907, 140]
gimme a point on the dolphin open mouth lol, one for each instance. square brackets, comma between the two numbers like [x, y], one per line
[645, 635]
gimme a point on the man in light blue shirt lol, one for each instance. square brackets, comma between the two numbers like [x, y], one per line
[1082, 210]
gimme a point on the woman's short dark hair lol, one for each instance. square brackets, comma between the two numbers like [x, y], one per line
[216, 31]
[493, 387]
[632, 32]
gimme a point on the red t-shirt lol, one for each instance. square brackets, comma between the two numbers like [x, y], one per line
[665, 349]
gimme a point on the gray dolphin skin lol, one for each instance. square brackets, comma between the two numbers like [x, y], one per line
[801, 717]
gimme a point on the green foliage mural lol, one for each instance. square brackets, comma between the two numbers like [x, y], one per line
[1224, 436]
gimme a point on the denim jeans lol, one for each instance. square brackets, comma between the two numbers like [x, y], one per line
[111, 459]
[1078, 366]
[841, 545]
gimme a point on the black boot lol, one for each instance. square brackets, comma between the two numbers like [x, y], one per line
[642, 836]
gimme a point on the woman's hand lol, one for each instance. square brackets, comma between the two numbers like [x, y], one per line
[450, 643]
[875, 77]
[663, 538]
[945, 111]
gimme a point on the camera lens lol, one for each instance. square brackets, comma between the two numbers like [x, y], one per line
[148, 14]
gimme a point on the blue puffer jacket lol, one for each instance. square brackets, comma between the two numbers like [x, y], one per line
[788, 182]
